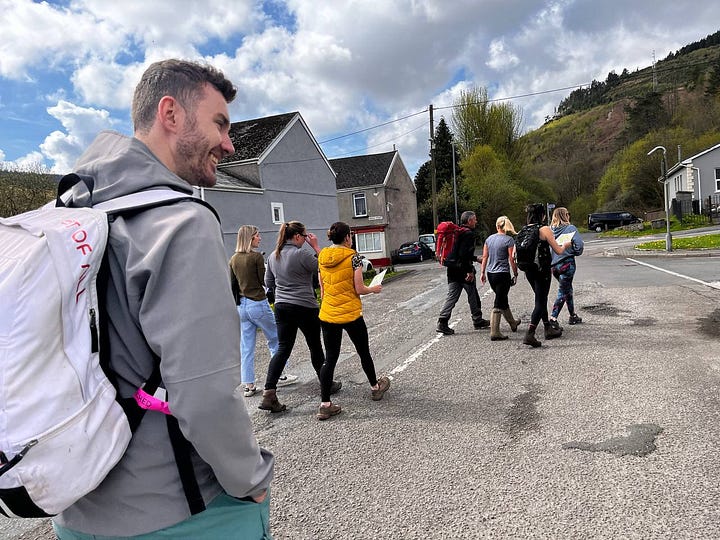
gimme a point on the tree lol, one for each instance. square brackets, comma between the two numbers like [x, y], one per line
[490, 189]
[442, 143]
[23, 189]
[645, 115]
[476, 121]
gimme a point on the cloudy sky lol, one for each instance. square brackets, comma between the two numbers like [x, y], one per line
[361, 72]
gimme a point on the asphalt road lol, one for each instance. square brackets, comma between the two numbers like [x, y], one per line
[607, 432]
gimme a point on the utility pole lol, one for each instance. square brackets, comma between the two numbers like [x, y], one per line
[433, 185]
[666, 195]
[452, 144]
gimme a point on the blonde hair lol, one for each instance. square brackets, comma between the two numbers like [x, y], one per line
[244, 238]
[505, 225]
[560, 217]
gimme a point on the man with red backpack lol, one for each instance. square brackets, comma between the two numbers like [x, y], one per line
[461, 276]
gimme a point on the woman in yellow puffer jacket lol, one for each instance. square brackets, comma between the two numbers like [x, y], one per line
[341, 284]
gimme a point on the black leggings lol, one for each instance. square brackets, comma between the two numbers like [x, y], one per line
[289, 318]
[332, 337]
[540, 282]
[500, 284]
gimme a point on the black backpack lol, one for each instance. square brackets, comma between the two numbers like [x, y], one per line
[526, 248]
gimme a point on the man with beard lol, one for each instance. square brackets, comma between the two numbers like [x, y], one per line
[168, 299]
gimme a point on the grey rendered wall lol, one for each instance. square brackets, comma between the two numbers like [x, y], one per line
[296, 174]
[402, 217]
[707, 164]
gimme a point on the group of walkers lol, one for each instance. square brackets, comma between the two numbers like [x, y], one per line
[291, 274]
[499, 268]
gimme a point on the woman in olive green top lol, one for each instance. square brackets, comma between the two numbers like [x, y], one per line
[247, 278]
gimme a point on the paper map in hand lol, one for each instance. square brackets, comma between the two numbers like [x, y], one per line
[567, 237]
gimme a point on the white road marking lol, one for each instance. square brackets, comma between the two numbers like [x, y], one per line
[419, 352]
[714, 284]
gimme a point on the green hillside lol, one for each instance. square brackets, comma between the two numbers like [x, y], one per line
[592, 154]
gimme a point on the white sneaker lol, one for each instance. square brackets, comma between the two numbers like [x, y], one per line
[250, 391]
[286, 379]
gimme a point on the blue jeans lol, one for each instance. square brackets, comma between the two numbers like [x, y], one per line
[225, 517]
[253, 315]
[564, 273]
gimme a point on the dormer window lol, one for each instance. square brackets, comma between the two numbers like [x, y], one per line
[360, 205]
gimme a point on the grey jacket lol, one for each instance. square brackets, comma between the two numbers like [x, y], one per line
[291, 276]
[169, 294]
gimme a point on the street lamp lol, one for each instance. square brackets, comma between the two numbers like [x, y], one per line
[457, 219]
[666, 194]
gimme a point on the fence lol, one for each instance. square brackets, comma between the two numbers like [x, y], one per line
[688, 211]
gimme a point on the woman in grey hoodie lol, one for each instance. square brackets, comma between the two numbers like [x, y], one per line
[563, 265]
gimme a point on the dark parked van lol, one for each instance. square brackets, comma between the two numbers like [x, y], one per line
[603, 221]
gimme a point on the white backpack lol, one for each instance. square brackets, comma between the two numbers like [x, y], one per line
[61, 428]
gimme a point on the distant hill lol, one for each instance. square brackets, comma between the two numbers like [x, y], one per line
[677, 99]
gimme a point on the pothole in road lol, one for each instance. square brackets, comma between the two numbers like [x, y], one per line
[604, 309]
[523, 415]
[710, 325]
[640, 441]
[644, 321]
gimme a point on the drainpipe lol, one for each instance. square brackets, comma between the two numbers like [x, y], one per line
[699, 184]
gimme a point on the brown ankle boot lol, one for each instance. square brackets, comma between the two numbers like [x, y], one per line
[270, 402]
[530, 338]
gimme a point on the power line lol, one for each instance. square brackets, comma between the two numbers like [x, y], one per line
[374, 127]
[658, 70]
[351, 152]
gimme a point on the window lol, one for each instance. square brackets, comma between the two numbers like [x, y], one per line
[368, 242]
[359, 204]
[717, 179]
[278, 215]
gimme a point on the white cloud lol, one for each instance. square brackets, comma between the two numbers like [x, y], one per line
[81, 125]
[500, 57]
[345, 65]
[31, 162]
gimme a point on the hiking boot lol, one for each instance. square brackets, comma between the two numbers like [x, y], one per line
[326, 412]
[552, 330]
[512, 321]
[335, 387]
[270, 402]
[286, 380]
[249, 391]
[383, 384]
[530, 338]
[443, 328]
[574, 319]
[481, 323]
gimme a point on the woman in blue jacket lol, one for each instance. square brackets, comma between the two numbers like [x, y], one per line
[563, 265]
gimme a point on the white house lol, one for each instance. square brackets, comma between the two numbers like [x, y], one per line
[698, 175]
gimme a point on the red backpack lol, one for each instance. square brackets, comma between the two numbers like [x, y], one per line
[447, 233]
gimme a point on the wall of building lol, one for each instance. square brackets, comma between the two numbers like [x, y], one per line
[295, 175]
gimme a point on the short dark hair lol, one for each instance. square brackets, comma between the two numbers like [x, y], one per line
[338, 231]
[181, 79]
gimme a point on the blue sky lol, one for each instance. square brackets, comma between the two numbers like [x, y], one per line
[68, 69]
